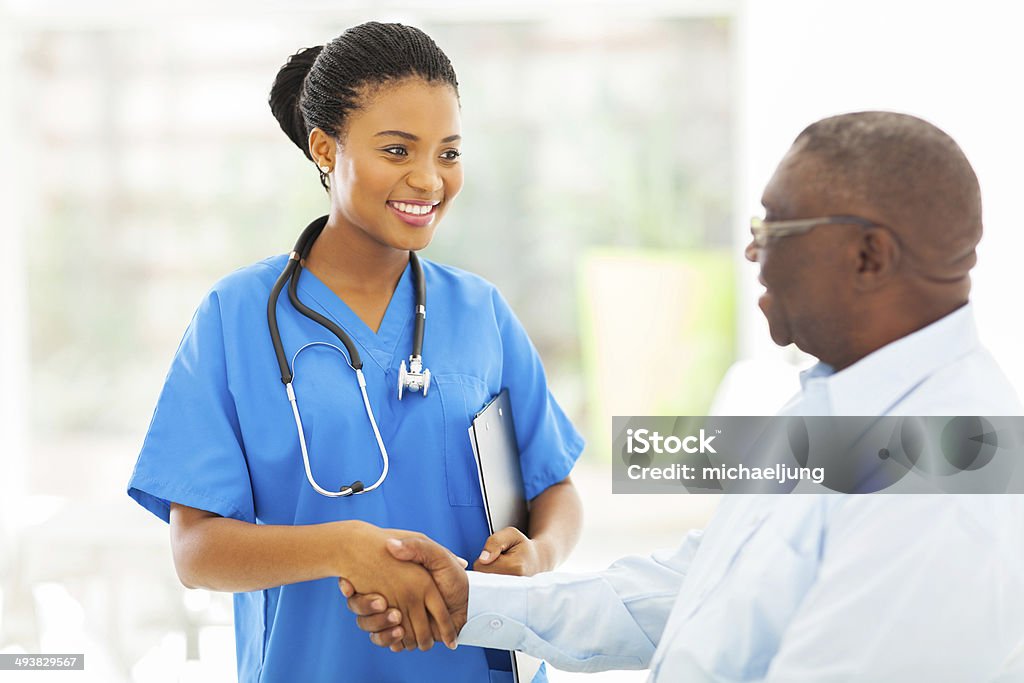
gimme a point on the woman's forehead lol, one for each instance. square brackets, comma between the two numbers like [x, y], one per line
[412, 100]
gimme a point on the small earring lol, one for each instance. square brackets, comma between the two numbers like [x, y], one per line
[325, 169]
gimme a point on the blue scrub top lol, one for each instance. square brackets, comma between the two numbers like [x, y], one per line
[223, 439]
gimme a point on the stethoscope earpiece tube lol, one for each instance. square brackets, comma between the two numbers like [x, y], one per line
[275, 336]
[421, 305]
[294, 271]
[302, 245]
[293, 295]
[416, 377]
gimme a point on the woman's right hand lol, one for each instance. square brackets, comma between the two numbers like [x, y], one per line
[369, 568]
[224, 554]
[449, 573]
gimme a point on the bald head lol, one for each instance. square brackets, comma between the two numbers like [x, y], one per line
[905, 173]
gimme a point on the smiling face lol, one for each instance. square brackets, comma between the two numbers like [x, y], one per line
[396, 168]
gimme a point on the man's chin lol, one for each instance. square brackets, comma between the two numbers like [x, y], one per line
[778, 331]
[780, 338]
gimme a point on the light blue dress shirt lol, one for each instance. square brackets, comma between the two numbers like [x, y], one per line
[223, 439]
[821, 588]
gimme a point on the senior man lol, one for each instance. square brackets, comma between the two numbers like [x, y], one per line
[871, 223]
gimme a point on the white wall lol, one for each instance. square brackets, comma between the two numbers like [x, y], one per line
[957, 64]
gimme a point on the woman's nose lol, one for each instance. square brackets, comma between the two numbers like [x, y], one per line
[425, 179]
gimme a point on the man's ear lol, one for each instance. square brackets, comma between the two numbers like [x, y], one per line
[322, 148]
[879, 255]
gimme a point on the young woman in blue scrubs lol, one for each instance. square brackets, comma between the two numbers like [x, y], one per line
[377, 111]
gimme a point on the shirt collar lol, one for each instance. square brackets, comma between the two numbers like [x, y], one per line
[875, 383]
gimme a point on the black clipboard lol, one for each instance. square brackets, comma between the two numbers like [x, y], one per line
[493, 436]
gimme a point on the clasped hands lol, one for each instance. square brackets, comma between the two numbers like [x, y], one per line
[414, 592]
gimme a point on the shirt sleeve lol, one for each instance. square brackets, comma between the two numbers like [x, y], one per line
[910, 590]
[612, 619]
[549, 445]
[193, 452]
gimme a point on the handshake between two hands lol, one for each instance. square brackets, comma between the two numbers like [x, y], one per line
[411, 592]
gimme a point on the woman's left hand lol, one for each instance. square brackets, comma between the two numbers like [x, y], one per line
[510, 551]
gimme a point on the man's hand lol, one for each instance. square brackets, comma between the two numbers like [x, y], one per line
[509, 551]
[448, 572]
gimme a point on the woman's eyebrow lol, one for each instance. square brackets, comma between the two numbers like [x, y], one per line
[409, 136]
[397, 134]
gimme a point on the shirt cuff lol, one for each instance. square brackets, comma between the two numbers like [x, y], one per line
[496, 615]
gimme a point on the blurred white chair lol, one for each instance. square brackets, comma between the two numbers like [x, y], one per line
[1014, 672]
[116, 562]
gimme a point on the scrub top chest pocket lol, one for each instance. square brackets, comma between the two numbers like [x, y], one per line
[462, 396]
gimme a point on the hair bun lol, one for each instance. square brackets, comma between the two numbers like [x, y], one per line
[286, 93]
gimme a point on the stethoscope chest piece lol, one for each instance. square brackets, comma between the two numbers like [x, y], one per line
[415, 378]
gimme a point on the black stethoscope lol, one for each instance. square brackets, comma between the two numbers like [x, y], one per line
[415, 378]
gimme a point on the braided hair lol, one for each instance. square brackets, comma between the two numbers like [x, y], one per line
[319, 86]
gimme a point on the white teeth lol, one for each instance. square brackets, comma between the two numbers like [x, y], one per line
[415, 209]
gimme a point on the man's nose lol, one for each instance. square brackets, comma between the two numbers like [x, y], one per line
[752, 251]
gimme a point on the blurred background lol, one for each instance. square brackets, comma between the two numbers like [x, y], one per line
[613, 154]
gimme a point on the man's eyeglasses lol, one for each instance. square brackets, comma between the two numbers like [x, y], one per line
[762, 230]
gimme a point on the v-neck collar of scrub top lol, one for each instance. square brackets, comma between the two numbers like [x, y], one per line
[380, 346]
[880, 380]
